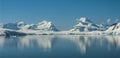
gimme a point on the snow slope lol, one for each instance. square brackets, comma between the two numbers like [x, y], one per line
[46, 26]
[41, 26]
[2, 32]
[114, 29]
[85, 25]
[8, 32]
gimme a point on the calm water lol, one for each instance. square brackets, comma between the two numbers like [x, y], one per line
[60, 46]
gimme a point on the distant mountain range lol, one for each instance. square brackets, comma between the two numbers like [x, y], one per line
[83, 25]
[44, 25]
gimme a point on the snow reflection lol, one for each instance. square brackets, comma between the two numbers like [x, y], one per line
[85, 42]
[47, 42]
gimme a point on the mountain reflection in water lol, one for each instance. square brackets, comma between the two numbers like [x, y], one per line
[59, 44]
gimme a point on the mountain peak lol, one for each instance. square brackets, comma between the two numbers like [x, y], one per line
[21, 22]
[83, 19]
[83, 24]
[46, 25]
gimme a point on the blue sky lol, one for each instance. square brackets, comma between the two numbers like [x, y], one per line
[63, 13]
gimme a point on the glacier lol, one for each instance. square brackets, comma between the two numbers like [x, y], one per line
[84, 26]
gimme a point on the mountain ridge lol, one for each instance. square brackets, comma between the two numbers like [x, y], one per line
[83, 26]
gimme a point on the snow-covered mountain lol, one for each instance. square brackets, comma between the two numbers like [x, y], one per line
[114, 26]
[85, 25]
[46, 25]
[8, 32]
[104, 26]
[114, 29]
[12, 26]
[20, 28]
[42, 26]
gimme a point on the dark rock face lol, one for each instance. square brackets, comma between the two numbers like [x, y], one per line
[14, 33]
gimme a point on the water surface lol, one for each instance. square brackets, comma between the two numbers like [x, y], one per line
[60, 46]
